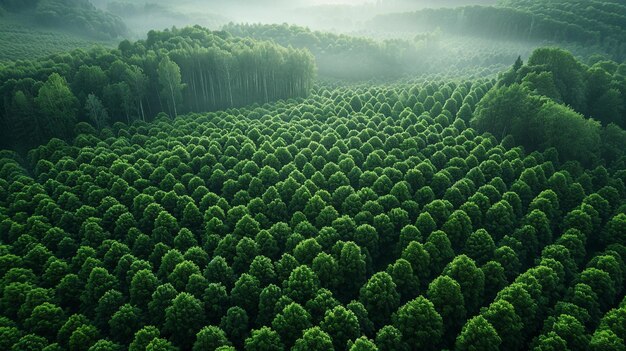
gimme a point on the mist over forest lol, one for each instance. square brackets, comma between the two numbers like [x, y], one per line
[312, 175]
[336, 15]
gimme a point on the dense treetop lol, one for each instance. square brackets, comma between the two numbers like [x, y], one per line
[369, 217]
[202, 190]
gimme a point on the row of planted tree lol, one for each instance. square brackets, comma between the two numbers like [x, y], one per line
[366, 218]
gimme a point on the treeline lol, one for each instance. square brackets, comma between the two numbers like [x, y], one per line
[79, 15]
[607, 18]
[173, 71]
[131, 9]
[354, 58]
[337, 56]
[367, 218]
[556, 101]
[142, 17]
[21, 41]
[579, 22]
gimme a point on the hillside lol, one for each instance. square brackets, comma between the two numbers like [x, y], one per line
[597, 23]
[38, 28]
[76, 15]
[21, 38]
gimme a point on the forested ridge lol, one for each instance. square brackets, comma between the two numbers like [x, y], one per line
[339, 56]
[79, 15]
[594, 22]
[173, 71]
[364, 56]
[19, 41]
[364, 218]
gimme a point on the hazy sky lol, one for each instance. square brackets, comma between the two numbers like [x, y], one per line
[349, 2]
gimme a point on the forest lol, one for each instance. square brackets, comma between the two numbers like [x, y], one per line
[589, 22]
[445, 176]
[79, 15]
[172, 71]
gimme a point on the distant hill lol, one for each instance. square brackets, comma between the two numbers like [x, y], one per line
[76, 15]
[588, 22]
[22, 38]
[145, 16]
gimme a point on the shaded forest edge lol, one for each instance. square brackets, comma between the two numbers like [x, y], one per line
[556, 101]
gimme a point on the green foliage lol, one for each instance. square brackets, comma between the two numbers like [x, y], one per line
[536, 124]
[264, 339]
[291, 322]
[98, 115]
[30, 39]
[380, 297]
[445, 294]
[420, 324]
[539, 100]
[558, 21]
[164, 70]
[58, 103]
[478, 334]
[470, 278]
[68, 15]
[341, 325]
[210, 338]
[80, 15]
[237, 230]
[171, 85]
[183, 319]
[314, 339]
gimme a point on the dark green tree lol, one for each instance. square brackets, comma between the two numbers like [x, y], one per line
[478, 334]
[125, 323]
[236, 324]
[445, 294]
[143, 337]
[420, 324]
[290, 323]
[183, 319]
[59, 106]
[342, 325]
[210, 338]
[389, 338]
[380, 298]
[301, 285]
[171, 84]
[313, 339]
[470, 278]
[264, 339]
[502, 316]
